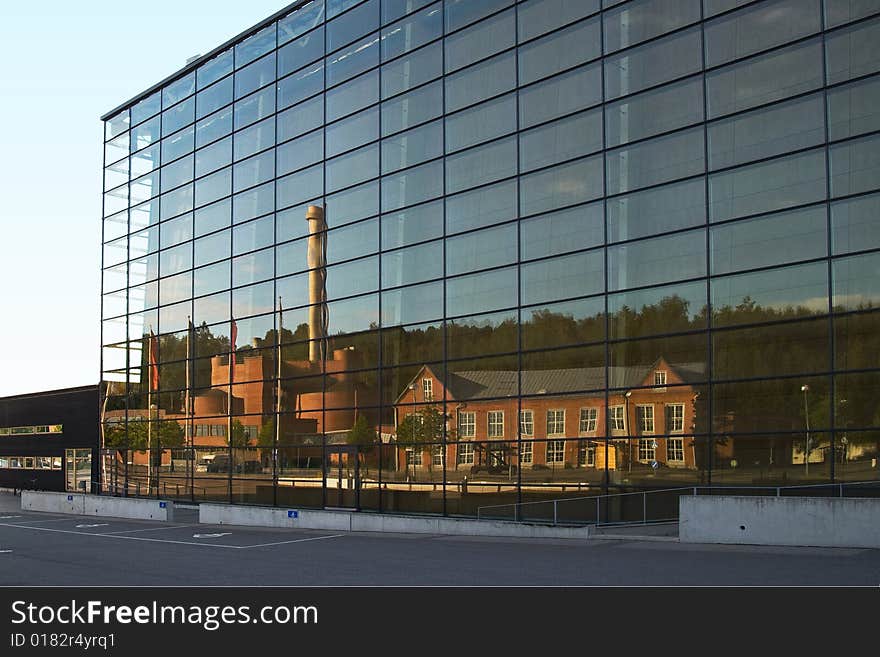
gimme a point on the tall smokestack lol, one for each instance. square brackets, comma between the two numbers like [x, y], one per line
[317, 260]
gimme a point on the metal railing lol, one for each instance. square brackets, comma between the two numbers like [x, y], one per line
[588, 510]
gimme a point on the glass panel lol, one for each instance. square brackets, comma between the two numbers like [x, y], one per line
[353, 60]
[416, 224]
[657, 260]
[353, 131]
[560, 95]
[480, 41]
[561, 140]
[854, 224]
[255, 107]
[411, 147]
[657, 210]
[856, 341]
[567, 230]
[855, 166]
[773, 185]
[297, 54]
[408, 305]
[213, 98]
[474, 293]
[853, 52]
[539, 16]
[214, 69]
[569, 322]
[353, 168]
[773, 240]
[412, 32]
[838, 13]
[300, 152]
[352, 241]
[412, 108]
[481, 81]
[481, 165]
[759, 27]
[659, 160]
[412, 265]
[412, 186]
[559, 51]
[765, 78]
[856, 282]
[300, 21]
[853, 109]
[563, 277]
[255, 46]
[353, 24]
[352, 96]
[767, 132]
[643, 19]
[772, 295]
[657, 310]
[299, 86]
[352, 204]
[481, 123]
[481, 249]
[215, 126]
[481, 207]
[462, 12]
[300, 119]
[562, 185]
[653, 112]
[659, 61]
[254, 139]
[791, 348]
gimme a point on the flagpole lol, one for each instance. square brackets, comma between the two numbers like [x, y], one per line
[187, 429]
[277, 402]
[150, 356]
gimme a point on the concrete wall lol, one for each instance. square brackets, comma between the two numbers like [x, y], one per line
[223, 514]
[52, 502]
[97, 505]
[819, 521]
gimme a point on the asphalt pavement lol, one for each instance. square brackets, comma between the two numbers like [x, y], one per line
[41, 549]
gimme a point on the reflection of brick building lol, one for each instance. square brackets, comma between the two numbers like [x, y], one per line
[650, 418]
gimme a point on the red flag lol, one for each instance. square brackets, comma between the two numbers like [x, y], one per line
[153, 360]
[233, 338]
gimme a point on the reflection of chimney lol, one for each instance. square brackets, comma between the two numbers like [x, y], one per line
[317, 261]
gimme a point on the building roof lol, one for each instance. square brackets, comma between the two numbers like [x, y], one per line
[489, 384]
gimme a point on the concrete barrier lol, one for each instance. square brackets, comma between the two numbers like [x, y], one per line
[752, 520]
[97, 505]
[249, 516]
[127, 507]
[52, 502]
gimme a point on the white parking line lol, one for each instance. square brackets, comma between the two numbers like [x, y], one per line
[150, 529]
[161, 540]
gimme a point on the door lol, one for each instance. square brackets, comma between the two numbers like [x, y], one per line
[342, 477]
[78, 469]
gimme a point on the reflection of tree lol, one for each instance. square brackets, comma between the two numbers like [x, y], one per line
[163, 434]
[362, 434]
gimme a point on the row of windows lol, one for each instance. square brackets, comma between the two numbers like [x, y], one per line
[554, 452]
[624, 27]
[31, 430]
[30, 463]
[587, 421]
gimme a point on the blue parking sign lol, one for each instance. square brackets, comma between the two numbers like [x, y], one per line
[292, 514]
[70, 498]
[162, 505]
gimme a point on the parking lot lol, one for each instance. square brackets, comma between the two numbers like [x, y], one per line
[40, 549]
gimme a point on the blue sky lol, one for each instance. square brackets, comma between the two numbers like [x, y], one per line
[62, 65]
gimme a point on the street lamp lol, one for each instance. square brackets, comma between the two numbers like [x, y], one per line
[804, 389]
[629, 453]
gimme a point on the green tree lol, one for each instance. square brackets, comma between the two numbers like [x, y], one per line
[362, 434]
[163, 434]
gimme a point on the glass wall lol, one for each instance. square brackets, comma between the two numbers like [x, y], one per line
[441, 257]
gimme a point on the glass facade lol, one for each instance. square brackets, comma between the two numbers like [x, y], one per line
[414, 256]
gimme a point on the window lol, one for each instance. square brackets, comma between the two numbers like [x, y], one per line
[22, 431]
[616, 419]
[467, 427]
[586, 454]
[525, 452]
[674, 418]
[438, 456]
[466, 451]
[413, 456]
[527, 423]
[30, 462]
[588, 420]
[647, 448]
[660, 378]
[496, 424]
[555, 451]
[555, 423]
[428, 389]
[645, 416]
[675, 449]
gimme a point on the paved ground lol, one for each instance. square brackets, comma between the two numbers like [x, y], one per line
[39, 549]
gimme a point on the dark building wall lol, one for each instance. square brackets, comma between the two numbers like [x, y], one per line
[76, 409]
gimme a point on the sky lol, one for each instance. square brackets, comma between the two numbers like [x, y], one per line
[62, 65]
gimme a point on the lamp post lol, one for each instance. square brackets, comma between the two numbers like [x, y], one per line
[629, 453]
[804, 389]
[412, 454]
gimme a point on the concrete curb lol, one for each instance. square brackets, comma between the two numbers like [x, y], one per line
[97, 505]
[352, 521]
